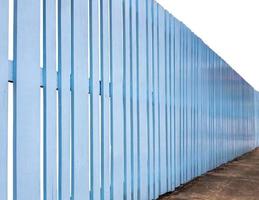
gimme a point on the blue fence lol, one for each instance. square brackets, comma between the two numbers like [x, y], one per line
[143, 104]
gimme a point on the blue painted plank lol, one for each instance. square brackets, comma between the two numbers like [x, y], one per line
[213, 111]
[203, 124]
[172, 101]
[142, 69]
[50, 100]
[167, 101]
[191, 105]
[187, 114]
[218, 82]
[162, 131]
[138, 101]
[194, 93]
[177, 102]
[196, 108]
[117, 157]
[186, 100]
[158, 98]
[150, 90]
[181, 105]
[180, 102]
[64, 70]
[197, 103]
[26, 100]
[188, 111]
[126, 99]
[188, 106]
[95, 162]
[185, 149]
[199, 109]
[216, 110]
[194, 111]
[206, 131]
[80, 101]
[207, 110]
[3, 97]
[183, 114]
[134, 100]
[193, 152]
[155, 101]
[105, 128]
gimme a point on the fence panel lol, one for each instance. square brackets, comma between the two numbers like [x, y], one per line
[134, 103]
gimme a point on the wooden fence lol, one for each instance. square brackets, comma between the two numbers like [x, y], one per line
[134, 103]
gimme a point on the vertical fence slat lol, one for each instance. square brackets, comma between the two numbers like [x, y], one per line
[105, 70]
[177, 101]
[182, 72]
[138, 101]
[64, 70]
[27, 100]
[195, 108]
[191, 104]
[200, 109]
[168, 102]
[95, 100]
[50, 108]
[198, 105]
[142, 69]
[185, 111]
[126, 101]
[189, 128]
[181, 100]
[162, 79]
[167, 112]
[158, 96]
[156, 101]
[3, 97]
[117, 99]
[80, 101]
[133, 93]
[151, 176]
[172, 102]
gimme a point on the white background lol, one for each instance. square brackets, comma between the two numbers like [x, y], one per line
[229, 27]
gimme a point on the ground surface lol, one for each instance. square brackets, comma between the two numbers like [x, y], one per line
[237, 180]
